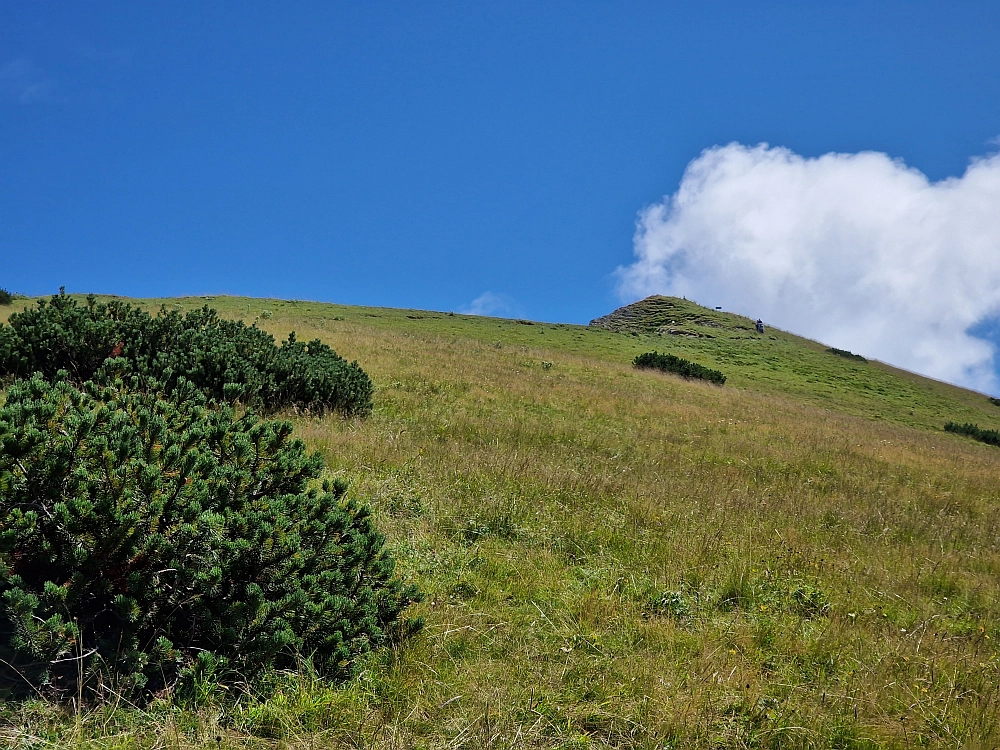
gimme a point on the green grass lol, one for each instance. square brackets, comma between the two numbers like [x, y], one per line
[621, 558]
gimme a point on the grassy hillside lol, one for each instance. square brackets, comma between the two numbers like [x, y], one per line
[620, 558]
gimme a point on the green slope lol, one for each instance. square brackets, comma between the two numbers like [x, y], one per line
[780, 362]
[619, 558]
[774, 363]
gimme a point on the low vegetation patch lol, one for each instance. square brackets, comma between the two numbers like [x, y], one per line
[684, 368]
[151, 544]
[225, 359]
[673, 604]
[990, 437]
[994, 401]
[6, 298]
[846, 354]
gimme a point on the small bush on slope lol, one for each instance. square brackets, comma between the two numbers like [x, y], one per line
[846, 354]
[678, 366]
[224, 358]
[170, 541]
[990, 437]
[6, 298]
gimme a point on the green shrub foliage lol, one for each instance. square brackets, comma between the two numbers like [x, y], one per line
[226, 359]
[678, 366]
[158, 543]
[994, 401]
[6, 298]
[846, 354]
[990, 437]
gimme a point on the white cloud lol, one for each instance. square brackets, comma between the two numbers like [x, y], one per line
[25, 81]
[858, 251]
[489, 303]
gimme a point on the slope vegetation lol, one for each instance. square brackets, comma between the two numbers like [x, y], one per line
[620, 558]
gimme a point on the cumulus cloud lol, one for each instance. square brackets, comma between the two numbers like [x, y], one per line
[489, 303]
[858, 251]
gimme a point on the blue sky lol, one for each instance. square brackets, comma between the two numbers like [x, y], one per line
[450, 156]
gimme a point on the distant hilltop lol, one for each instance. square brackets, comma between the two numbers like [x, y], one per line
[673, 316]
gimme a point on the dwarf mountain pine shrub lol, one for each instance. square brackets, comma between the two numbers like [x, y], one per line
[990, 437]
[6, 298]
[150, 544]
[225, 359]
[846, 354]
[678, 366]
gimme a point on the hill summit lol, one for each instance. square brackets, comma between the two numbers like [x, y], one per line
[672, 316]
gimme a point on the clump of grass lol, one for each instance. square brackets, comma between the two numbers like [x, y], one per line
[809, 601]
[668, 604]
